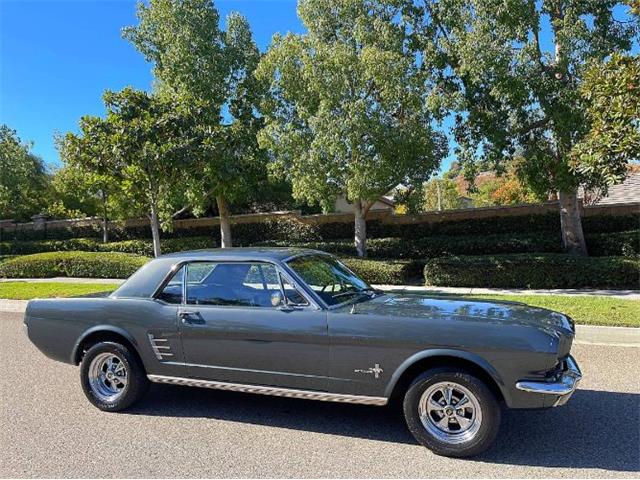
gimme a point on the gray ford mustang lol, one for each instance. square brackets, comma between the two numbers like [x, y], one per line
[298, 323]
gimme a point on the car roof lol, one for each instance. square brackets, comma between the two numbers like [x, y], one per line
[147, 279]
[242, 254]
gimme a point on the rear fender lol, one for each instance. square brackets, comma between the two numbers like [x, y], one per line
[100, 329]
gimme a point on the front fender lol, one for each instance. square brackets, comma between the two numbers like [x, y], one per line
[445, 352]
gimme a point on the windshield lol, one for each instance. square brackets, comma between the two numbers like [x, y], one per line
[329, 278]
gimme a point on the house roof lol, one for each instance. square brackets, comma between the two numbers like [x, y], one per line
[625, 192]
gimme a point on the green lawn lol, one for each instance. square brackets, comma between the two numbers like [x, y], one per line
[586, 310]
[28, 290]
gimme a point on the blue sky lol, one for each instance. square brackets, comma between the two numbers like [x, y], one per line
[58, 57]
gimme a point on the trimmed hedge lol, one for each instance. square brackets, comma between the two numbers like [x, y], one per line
[72, 264]
[386, 272]
[611, 244]
[138, 247]
[626, 244]
[294, 230]
[533, 271]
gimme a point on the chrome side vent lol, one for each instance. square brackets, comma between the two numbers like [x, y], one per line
[160, 347]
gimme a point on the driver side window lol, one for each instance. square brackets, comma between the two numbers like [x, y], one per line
[231, 284]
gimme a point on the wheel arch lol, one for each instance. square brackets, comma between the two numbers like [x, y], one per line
[421, 361]
[102, 333]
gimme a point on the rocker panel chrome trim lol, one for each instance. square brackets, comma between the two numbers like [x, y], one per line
[274, 391]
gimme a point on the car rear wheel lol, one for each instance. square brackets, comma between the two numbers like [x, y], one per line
[112, 376]
[452, 412]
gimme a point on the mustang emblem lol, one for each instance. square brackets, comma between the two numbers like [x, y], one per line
[376, 370]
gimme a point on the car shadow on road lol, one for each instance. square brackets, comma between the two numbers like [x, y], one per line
[596, 429]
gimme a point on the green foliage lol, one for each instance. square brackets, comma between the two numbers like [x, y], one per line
[533, 271]
[72, 264]
[609, 244]
[23, 179]
[625, 244]
[611, 92]
[205, 69]
[520, 95]
[385, 272]
[441, 194]
[347, 110]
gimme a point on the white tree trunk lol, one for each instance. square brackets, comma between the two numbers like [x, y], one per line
[360, 229]
[155, 229]
[105, 220]
[571, 224]
[225, 225]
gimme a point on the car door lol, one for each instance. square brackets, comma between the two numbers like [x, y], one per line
[234, 329]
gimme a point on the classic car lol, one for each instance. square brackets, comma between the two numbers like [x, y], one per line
[298, 323]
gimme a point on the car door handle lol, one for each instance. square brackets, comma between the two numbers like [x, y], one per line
[193, 318]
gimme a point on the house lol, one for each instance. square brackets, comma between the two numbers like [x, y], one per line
[383, 203]
[625, 192]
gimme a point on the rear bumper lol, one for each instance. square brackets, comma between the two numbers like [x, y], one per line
[560, 388]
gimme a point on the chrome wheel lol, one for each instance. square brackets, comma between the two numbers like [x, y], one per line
[108, 376]
[450, 412]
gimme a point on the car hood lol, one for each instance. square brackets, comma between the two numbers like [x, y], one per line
[469, 309]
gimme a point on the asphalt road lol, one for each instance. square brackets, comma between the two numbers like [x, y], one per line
[48, 429]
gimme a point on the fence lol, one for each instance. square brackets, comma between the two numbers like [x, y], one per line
[43, 228]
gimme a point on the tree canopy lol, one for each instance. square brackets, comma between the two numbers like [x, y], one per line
[347, 110]
[24, 182]
[611, 91]
[209, 71]
[516, 95]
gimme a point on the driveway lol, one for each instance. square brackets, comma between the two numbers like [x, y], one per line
[48, 429]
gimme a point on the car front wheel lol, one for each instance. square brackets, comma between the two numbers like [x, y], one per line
[452, 412]
[112, 376]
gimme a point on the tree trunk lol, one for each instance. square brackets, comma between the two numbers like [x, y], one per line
[155, 229]
[105, 220]
[225, 225]
[571, 224]
[360, 229]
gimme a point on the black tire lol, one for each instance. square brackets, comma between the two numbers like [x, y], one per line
[484, 427]
[136, 384]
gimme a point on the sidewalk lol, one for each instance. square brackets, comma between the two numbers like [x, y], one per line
[623, 294]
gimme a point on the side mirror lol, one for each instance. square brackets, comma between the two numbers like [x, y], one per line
[278, 301]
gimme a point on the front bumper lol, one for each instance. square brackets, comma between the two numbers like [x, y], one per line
[562, 387]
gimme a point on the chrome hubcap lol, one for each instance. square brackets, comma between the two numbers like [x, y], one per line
[450, 412]
[108, 376]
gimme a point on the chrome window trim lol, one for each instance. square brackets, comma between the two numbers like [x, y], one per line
[312, 303]
[267, 390]
[320, 301]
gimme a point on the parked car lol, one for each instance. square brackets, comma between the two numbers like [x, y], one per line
[298, 323]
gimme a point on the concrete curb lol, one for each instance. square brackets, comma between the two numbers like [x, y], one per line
[585, 334]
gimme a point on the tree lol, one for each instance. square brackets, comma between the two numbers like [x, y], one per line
[143, 143]
[79, 191]
[611, 92]
[210, 71]
[347, 111]
[441, 194]
[513, 95]
[24, 182]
